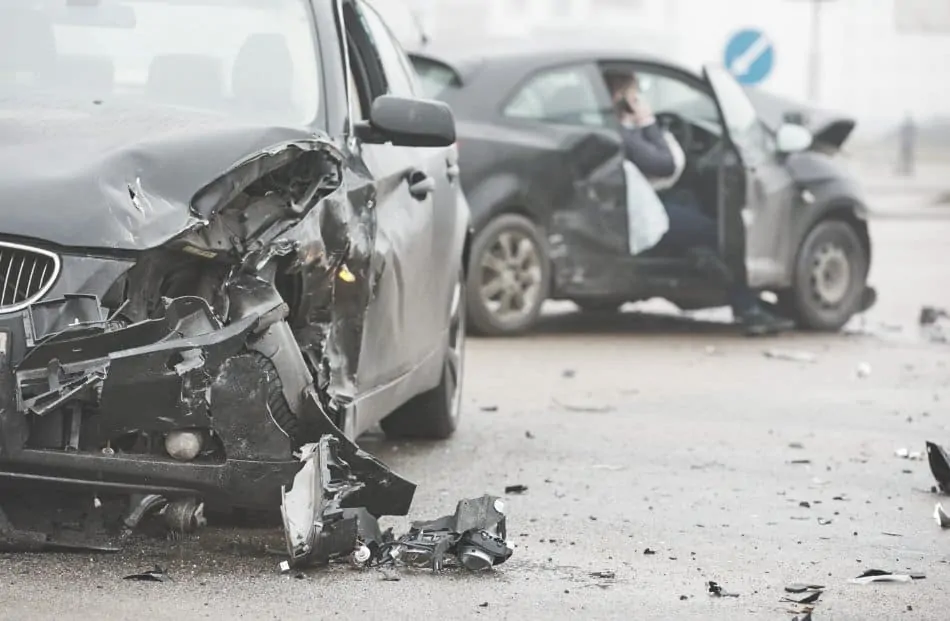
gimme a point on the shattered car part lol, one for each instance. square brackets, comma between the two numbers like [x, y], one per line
[158, 574]
[715, 590]
[939, 466]
[879, 575]
[941, 516]
[473, 537]
[320, 521]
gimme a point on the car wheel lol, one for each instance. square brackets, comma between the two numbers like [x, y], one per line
[598, 306]
[508, 277]
[830, 277]
[435, 414]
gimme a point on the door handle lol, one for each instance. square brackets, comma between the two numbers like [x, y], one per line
[421, 185]
[452, 170]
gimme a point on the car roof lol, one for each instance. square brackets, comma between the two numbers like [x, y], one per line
[530, 57]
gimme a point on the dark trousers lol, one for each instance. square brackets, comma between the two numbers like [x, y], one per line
[694, 234]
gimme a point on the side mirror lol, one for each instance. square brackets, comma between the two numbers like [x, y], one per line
[792, 138]
[408, 123]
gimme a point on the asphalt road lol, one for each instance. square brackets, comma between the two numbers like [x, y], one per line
[631, 432]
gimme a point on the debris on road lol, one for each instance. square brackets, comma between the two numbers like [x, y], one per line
[805, 504]
[939, 466]
[804, 617]
[879, 575]
[529, 435]
[583, 407]
[324, 521]
[935, 324]
[824, 521]
[716, 590]
[489, 408]
[863, 371]
[903, 453]
[649, 552]
[811, 598]
[799, 587]
[800, 462]
[943, 520]
[603, 575]
[516, 489]
[568, 373]
[790, 355]
[473, 537]
[157, 574]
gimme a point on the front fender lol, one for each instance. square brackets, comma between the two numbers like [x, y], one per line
[838, 198]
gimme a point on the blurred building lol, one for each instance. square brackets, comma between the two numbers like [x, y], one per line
[878, 59]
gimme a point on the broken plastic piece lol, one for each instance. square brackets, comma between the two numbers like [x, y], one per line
[879, 575]
[717, 591]
[603, 575]
[943, 520]
[811, 598]
[516, 489]
[790, 355]
[317, 527]
[346, 275]
[939, 466]
[802, 588]
[155, 575]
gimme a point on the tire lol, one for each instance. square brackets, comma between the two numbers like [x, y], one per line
[279, 408]
[598, 306]
[511, 231]
[435, 414]
[826, 304]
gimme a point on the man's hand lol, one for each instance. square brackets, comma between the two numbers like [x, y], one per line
[642, 112]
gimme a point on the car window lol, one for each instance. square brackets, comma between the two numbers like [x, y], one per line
[434, 77]
[565, 95]
[256, 58]
[399, 75]
[668, 94]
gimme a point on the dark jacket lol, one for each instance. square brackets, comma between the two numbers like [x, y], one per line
[646, 148]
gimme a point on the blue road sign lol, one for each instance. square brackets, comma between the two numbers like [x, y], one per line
[749, 56]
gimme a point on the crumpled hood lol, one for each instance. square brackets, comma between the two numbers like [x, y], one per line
[69, 169]
[828, 127]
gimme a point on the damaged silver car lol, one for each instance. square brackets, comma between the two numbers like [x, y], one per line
[230, 229]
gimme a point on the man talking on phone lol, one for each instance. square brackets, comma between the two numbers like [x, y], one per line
[691, 232]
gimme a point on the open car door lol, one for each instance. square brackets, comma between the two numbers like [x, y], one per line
[755, 190]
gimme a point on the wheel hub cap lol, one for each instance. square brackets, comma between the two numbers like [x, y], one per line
[831, 274]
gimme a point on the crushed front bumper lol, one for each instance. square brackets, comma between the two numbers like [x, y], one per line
[89, 404]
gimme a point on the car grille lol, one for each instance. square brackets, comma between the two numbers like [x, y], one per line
[26, 275]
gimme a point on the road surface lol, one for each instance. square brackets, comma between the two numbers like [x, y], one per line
[630, 432]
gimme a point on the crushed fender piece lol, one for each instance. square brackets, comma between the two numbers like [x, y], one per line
[939, 466]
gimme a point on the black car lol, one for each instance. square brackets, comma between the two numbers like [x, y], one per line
[224, 235]
[542, 167]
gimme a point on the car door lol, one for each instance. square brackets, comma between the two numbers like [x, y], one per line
[578, 176]
[405, 314]
[756, 190]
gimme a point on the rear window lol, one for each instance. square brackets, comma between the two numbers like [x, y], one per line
[435, 78]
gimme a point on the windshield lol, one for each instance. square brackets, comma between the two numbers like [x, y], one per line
[250, 58]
